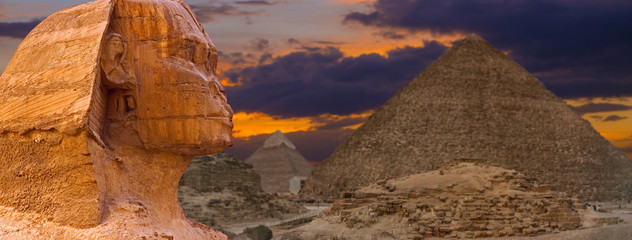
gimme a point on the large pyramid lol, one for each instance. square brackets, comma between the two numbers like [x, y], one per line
[475, 103]
[278, 162]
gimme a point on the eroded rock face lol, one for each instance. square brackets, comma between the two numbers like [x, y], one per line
[461, 200]
[106, 104]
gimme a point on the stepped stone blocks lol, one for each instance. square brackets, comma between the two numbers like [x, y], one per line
[103, 106]
[475, 102]
[461, 200]
[278, 161]
[218, 190]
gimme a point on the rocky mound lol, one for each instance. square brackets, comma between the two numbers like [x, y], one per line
[475, 102]
[218, 190]
[463, 199]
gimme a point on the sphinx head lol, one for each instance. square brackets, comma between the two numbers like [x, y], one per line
[101, 99]
[158, 68]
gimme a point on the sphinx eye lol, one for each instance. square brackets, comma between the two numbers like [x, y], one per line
[209, 62]
[187, 51]
[201, 57]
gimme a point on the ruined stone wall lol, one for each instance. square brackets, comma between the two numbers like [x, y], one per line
[463, 200]
[463, 216]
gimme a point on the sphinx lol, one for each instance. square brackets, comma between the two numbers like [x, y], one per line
[102, 107]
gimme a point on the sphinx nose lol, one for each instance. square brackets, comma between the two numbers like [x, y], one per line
[217, 87]
[219, 93]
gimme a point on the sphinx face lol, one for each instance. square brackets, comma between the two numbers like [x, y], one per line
[175, 97]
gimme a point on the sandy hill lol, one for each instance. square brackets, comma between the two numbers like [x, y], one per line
[475, 102]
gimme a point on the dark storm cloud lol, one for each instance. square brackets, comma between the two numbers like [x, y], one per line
[237, 58]
[322, 80]
[17, 29]
[255, 2]
[601, 107]
[314, 45]
[577, 48]
[260, 45]
[208, 12]
[392, 35]
[592, 88]
[327, 42]
[293, 41]
[265, 58]
[613, 118]
[331, 124]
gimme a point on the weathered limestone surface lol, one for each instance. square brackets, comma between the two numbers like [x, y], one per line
[103, 106]
[474, 102]
[220, 190]
[461, 200]
[277, 161]
[45, 95]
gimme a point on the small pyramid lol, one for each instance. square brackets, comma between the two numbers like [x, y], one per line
[209, 197]
[475, 103]
[278, 161]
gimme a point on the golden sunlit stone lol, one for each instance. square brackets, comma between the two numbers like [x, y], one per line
[103, 106]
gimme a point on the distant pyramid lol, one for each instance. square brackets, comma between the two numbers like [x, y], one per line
[278, 161]
[219, 190]
[476, 103]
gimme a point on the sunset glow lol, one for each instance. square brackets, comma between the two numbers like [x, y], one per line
[250, 124]
[317, 69]
[616, 126]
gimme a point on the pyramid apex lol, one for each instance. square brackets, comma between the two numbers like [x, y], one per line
[473, 39]
[277, 139]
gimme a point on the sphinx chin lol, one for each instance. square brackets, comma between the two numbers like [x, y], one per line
[187, 136]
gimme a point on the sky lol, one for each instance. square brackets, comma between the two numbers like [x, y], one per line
[316, 69]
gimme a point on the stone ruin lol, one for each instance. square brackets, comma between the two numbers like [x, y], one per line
[475, 102]
[280, 164]
[219, 190]
[460, 200]
[103, 106]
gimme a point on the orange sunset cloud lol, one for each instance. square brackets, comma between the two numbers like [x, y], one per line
[256, 123]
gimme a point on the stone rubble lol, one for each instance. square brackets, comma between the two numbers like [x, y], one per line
[499, 203]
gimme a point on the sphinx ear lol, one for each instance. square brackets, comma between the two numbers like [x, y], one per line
[114, 63]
